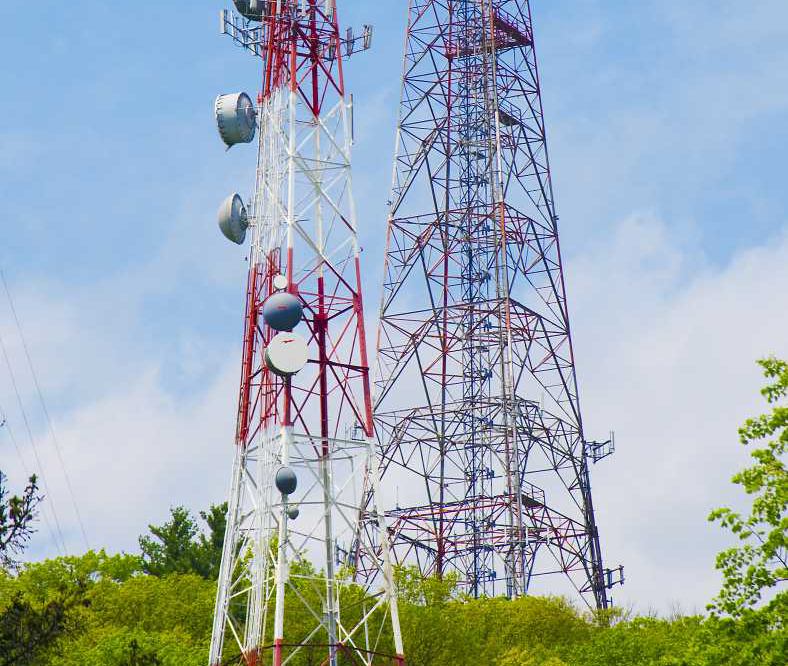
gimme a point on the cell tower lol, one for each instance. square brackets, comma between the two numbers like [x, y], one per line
[305, 461]
[477, 410]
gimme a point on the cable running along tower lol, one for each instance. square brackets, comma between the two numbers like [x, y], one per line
[289, 588]
[477, 411]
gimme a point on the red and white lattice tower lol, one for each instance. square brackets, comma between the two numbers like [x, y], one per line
[477, 409]
[288, 590]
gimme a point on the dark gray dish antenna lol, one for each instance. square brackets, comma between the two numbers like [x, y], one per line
[254, 10]
[286, 480]
[282, 311]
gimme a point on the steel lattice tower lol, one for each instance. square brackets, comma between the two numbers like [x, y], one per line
[477, 410]
[287, 593]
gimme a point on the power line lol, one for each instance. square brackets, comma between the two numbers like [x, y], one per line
[46, 411]
[32, 441]
[5, 425]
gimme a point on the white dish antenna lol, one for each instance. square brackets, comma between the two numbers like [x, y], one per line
[233, 220]
[286, 354]
[236, 118]
[280, 282]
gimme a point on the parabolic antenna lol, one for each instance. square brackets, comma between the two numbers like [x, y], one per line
[280, 282]
[286, 480]
[282, 311]
[252, 9]
[235, 118]
[232, 219]
[286, 354]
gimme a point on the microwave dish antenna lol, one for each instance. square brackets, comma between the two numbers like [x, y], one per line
[236, 118]
[280, 282]
[233, 220]
[254, 10]
[286, 354]
[282, 311]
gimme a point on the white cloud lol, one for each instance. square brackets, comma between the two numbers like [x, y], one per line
[142, 426]
[135, 452]
[666, 347]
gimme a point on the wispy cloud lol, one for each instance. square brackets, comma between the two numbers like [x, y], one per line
[669, 363]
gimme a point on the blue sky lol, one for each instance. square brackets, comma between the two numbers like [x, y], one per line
[667, 129]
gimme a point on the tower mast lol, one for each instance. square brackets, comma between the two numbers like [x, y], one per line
[301, 479]
[476, 406]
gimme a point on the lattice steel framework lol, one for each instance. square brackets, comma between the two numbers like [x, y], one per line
[287, 593]
[477, 410]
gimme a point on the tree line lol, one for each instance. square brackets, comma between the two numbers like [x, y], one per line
[156, 608]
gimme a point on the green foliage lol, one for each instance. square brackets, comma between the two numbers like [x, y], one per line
[519, 657]
[442, 628]
[167, 618]
[178, 546]
[103, 610]
[538, 631]
[119, 646]
[683, 641]
[216, 518]
[641, 641]
[761, 562]
[48, 601]
[16, 517]
[75, 576]
[27, 631]
[184, 601]
[113, 614]
[412, 588]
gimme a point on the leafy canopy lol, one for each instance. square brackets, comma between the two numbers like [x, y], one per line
[178, 546]
[27, 631]
[761, 562]
[46, 602]
[124, 617]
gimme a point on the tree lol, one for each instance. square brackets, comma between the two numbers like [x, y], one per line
[172, 547]
[216, 518]
[27, 631]
[16, 518]
[760, 564]
[178, 546]
[47, 602]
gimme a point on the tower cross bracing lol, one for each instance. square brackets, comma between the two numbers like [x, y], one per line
[476, 403]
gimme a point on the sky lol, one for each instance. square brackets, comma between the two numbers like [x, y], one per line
[667, 129]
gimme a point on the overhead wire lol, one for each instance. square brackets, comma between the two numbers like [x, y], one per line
[5, 425]
[46, 411]
[58, 532]
[32, 442]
